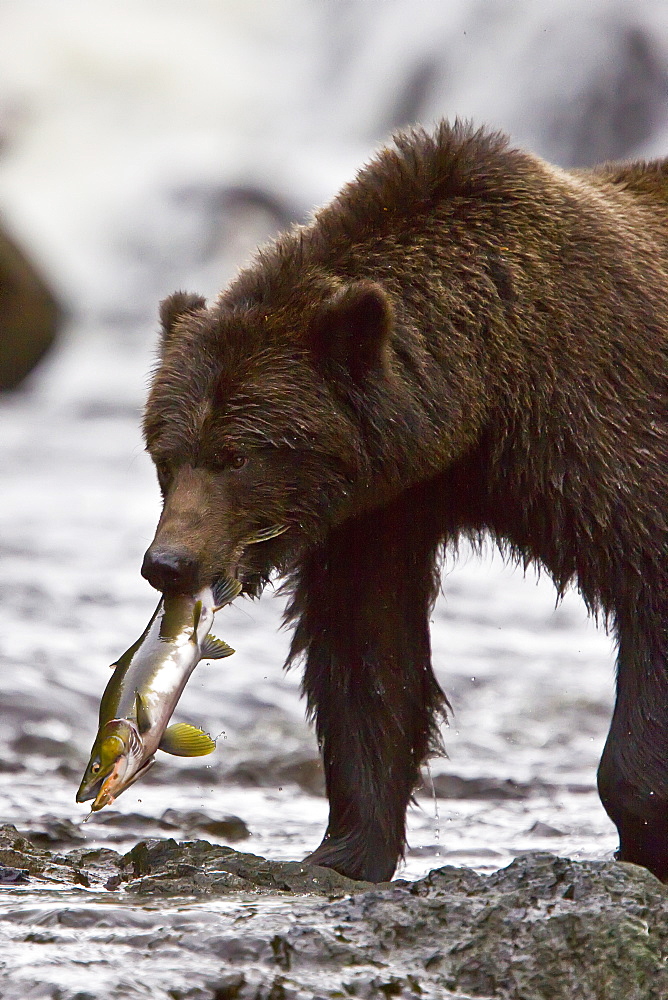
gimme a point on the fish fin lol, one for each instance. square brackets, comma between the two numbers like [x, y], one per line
[225, 591]
[215, 649]
[196, 620]
[265, 534]
[141, 713]
[183, 740]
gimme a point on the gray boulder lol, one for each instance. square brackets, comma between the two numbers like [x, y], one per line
[205, 922]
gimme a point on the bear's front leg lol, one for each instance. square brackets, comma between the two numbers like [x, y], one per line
[363, 601]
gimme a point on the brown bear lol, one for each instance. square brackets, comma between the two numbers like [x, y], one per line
[466, 341]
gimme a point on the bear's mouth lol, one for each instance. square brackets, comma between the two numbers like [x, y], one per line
[252, 561]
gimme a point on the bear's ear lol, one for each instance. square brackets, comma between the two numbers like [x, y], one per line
[173, 308]
[352, 327]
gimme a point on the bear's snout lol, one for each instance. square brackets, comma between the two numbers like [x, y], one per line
[170, 570]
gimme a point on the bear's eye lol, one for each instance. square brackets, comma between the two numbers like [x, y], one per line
[238, 461]
[163, 475]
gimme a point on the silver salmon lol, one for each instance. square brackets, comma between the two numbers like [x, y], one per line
[143, 692]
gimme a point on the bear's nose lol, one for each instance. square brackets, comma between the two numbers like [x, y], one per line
[172, 570]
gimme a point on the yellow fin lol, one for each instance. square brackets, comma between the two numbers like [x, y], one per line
[214, 649]
[225, 590]
[183, 740]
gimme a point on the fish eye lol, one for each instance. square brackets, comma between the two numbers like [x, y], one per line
[95, 767]
[238, 461]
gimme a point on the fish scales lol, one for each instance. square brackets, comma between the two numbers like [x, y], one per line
[146, 685]
[144, 689]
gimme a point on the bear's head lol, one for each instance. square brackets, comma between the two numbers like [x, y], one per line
[258, 421]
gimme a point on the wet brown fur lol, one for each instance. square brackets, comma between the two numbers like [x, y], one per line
[466, 341]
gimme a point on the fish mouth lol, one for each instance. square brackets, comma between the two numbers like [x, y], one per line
[89, 790]
[112, 784]
[118, 781]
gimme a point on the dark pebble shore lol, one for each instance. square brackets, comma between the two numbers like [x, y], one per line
[204, 922]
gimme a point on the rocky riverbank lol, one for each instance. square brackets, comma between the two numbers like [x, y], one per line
[204, 922]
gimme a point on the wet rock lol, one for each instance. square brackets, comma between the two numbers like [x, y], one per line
[10, 766]
[53, 831]
[302, 768]
[198, 867]
[117, 827]
[79, 867]
[29, 314]
[13, 876]
[150, 855]
[553, 928]
[94, 867]
[186, 824]
[17, 852]
[230, 828]
[122, 821]
[44, 739]
[544, 927]
[452, 786]
[539, 829]
[174, 883]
